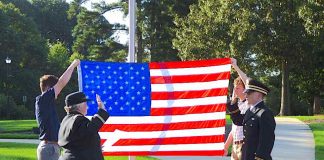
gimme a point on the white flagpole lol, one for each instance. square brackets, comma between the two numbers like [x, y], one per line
[131, 45]
[132, 26]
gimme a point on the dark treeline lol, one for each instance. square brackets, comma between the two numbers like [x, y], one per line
[278, 42]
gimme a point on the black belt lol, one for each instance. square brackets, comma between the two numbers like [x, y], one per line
[239, 142]
[49, 142]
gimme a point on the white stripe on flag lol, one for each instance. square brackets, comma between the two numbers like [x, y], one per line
[190, 71]
[177, 147]
[167, 134]
[188, 102]
[189, 86]
[113, 137]
[162, 119]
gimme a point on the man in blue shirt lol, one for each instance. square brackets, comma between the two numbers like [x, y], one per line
[45, 112]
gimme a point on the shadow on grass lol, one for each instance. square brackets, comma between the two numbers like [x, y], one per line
[8, 145]
[18, 136]
[319, 153]
[318, 131]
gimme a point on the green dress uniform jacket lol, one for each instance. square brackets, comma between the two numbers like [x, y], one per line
[79, 136]
[258, 128]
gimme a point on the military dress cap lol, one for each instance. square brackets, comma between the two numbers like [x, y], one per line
[75, 98]
[254, 85]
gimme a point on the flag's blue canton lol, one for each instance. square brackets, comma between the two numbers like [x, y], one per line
[124, 87]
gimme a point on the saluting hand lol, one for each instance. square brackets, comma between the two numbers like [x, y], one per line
[100, 104]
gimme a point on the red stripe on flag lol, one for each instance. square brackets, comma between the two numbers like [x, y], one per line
[190, 64]
[162, 126]
[167, 153]
[173, 140]
[188, 110]
[102, 141]
[190, 78]
[189, 94]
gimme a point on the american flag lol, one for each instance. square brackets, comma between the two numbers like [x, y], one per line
[159, 108]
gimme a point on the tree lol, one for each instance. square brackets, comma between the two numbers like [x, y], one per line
[155, 26]
[21, 41]
[270, 34]
[58, 58]
[52, 19]
[310, 82]
[214, 29]
[93, 37]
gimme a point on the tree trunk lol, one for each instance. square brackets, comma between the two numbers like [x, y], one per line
[153, 32]
[140, 50]
[310, 110]
[317, 104]
[285, 105]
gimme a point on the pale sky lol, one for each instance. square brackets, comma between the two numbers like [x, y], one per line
[113, 17]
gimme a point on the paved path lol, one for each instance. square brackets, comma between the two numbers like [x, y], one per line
[30, 141]
[294, 141]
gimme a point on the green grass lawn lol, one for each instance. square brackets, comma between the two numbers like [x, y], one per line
[17, 125]
[228, 119]
[9, 151]
[17, 129]
[19, 151]
[316, 123]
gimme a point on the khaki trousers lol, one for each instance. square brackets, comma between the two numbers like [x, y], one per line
[236, 151]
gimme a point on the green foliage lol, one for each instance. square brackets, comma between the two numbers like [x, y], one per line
[260, 34]
[19, 38]
[263, 35]
[204, 33]
[76, 55]
[58, 55]
[23, 44]
[52, 21]
[156, 23]
[58, 59]
[10, 110]
[93, 36]
[313, 16]
[155, 27]
[309, 78]
[118, 56]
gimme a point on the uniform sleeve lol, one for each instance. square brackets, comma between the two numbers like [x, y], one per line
[86, 126]
[266, 136]
[235, 114]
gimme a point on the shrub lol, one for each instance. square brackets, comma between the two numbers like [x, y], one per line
[11, 110]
